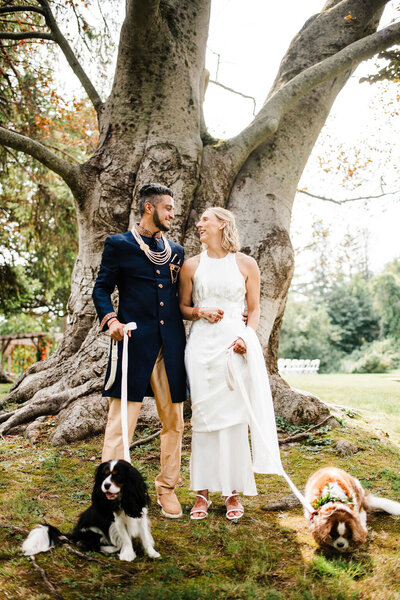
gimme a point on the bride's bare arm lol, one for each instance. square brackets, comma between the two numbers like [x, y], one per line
[189, 312]
[251, 273]
[186, 287]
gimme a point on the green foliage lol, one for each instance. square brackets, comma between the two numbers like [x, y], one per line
[379, 356]
[25, 323]
[290, 428]
[386, 294]
[308, 332]
[38, 243]
[15, 289]
[38, 237]
[329, 497]
[372, 363]
[390, 70]
[351, 323]
[349, 306]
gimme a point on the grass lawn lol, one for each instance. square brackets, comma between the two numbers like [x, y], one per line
[265, 556]
[4, 387]
[374, 395]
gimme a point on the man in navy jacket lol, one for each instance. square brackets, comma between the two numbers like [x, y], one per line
[144, 267]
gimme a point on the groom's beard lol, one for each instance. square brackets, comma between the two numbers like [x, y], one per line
[156, 220]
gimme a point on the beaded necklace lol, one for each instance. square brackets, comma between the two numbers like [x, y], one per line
[157, 258]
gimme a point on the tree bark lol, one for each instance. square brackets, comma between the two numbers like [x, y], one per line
[152, 129]
[4, 378]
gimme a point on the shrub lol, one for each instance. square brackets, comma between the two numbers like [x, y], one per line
[377, 357]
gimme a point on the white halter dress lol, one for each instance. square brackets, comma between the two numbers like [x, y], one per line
[228, 391]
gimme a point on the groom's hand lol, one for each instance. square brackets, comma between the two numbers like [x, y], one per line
[116, 330]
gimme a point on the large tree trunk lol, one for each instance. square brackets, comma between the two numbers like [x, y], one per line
[151, 129]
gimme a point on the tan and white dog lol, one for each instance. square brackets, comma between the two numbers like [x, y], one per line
[341, 505]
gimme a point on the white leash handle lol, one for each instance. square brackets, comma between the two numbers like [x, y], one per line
[124, 390]
[114, 362]
[231, 380]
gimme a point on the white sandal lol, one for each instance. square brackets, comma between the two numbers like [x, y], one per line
[236, 509]
[200, 510]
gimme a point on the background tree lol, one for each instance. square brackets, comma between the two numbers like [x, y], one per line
[148, 133]
[38, 232]
[386, 287]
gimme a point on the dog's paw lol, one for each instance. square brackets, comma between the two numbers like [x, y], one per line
[127, 554]
[153, 553]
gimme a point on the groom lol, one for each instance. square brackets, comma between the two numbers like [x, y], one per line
[144, 267]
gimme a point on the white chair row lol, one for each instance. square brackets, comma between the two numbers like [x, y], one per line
[297, 366]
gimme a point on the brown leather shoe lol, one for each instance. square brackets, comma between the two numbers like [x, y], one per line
[170, 506]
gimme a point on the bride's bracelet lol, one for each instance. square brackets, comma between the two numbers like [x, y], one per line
[196, 313]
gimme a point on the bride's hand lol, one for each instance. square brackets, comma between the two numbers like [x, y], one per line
[212, 315]
[239, 346]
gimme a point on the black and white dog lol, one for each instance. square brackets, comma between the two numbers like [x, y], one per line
[118, 514]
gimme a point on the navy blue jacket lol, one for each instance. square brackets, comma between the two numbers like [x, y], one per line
[148, 296]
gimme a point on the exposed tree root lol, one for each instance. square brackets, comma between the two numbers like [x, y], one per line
[303, 434]
[297, 406]
[145, 440]
[70, 388]
[58, 384]
[285, 503]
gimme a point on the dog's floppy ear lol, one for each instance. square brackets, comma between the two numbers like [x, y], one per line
[97, 495]
[134, 492]
[320, 528]
[359, 531]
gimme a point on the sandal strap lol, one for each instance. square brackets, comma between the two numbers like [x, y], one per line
[231, 496]
[201, 496]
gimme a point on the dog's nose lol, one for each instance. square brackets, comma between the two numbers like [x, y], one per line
[107, 486]
[339, 544]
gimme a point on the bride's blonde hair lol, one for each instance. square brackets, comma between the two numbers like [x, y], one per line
[230, 236]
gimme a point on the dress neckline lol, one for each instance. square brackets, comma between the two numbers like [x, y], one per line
[216, 258]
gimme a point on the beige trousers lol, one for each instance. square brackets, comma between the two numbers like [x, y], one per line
[171, 417]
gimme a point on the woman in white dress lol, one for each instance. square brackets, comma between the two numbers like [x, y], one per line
[227, 376]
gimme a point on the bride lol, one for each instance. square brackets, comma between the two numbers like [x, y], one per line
[228, 380]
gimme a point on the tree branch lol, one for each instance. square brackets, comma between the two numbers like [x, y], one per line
[26, 35]
[50, 586]
[347, 199]
[70, 173]
[63, 152]
[225, 87]
[303, 434]
[145, 440]
[267, 121]
[15, 157]
[70, 56]
[12, 9]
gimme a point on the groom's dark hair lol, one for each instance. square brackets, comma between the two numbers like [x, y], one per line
[149, 193]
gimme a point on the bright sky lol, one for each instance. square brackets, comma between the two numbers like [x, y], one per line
[244, 52]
